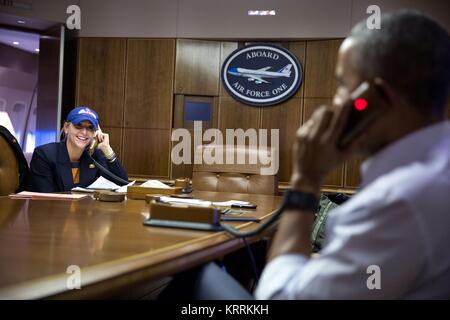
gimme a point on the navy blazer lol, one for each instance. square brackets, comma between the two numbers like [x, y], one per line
[51, 170]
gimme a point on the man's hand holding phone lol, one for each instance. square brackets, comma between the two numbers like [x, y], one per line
[315, 151]
[332, 134]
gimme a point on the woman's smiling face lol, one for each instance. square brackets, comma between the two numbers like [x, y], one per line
[79, 135]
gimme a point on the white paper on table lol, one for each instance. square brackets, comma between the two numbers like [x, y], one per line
[154, 184]
[197, 202]
[46, 196]
[125, 187]
[80, 189]
[103, 184]
[201, 202]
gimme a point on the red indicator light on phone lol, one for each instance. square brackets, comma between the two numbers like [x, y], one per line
[360, 104]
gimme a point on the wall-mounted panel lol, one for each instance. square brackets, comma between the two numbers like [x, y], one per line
[149, 83]
[146, 152]
[197, 67]
[101, 76]
[183, 117]
[321, 57]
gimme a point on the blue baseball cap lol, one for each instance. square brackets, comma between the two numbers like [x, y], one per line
[80, 114]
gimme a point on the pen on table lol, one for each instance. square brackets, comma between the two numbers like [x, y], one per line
[239, 218]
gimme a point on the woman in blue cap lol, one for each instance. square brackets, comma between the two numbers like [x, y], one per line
[61, 166]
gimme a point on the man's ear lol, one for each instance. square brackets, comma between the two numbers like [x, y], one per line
[386, 91]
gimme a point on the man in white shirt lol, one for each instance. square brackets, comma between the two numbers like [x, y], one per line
[392, 239]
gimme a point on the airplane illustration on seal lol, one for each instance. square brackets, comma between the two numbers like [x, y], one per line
[258, 75]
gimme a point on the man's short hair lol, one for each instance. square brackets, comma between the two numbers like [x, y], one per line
[412, 53]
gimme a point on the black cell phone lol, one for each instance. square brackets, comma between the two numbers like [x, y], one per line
[244, 206]
[368, 102]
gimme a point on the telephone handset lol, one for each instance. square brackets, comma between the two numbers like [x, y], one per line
[105, 172]
[93, 146]
[368, 102]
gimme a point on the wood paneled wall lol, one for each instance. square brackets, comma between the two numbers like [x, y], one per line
[129, 82]
[148, 106]
[318, 59]
[197, 67]
[320, 85]
[100, 80]
[138, 86]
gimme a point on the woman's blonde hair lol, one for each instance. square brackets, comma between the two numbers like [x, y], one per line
[62, 133]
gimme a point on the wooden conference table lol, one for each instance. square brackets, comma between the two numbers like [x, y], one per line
[40, 239]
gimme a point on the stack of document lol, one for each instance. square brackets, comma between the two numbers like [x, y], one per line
[199, 202]
[155, 184]
[46, 196]
[103, 184]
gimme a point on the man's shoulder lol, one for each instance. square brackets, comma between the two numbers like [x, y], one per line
[418, 178]
[411, 185]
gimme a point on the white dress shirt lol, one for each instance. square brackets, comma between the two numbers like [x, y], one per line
[399, 222]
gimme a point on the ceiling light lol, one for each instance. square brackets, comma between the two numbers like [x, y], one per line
[21, 21]
[37, 49]
[16, 43]
[261, 12]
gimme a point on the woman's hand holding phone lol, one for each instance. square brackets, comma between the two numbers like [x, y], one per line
[103, 142]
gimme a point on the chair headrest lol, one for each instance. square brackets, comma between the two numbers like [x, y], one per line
[9, 168]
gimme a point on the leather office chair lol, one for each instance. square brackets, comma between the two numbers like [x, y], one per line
[240, 178]
[9, 169]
